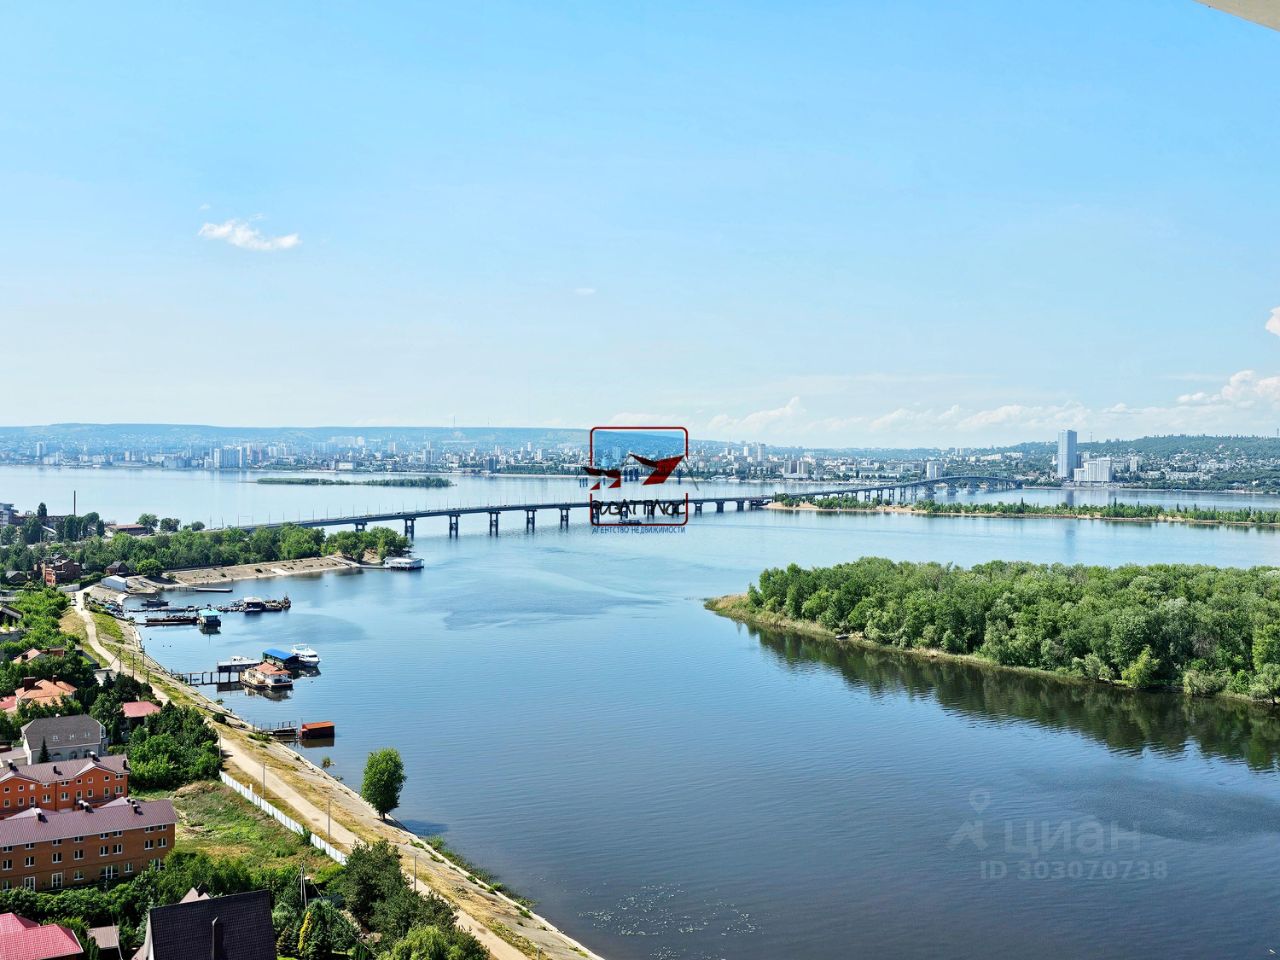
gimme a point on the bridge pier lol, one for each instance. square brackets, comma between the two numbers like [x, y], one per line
[564, 516]
[697, 508]
[493, 522]
[360, 525]
[453, 524]
[528, 519]
[719, 506]
[742, 505]
[408, 527]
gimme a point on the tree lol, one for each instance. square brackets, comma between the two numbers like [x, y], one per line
[149, 567]
[371, 875]
[432, 943]
[44, 752]
[421, 943]
[383, 778]
[1266, 685]
[149, 521]
[169, 525]
[1266, 645]
[324, 932]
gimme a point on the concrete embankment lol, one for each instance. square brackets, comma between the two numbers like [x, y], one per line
[221, 576]
[331, 809]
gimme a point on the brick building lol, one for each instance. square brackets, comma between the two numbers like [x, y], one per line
[57, 570]
[52, 850]
[62, 784]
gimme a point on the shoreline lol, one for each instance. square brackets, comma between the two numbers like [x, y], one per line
[328, 807]
[222, 575]
[912, 511]
[734, 607]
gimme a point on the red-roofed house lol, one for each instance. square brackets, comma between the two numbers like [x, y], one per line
[135, 711]
[51, 850]
[42, 692]
[62, 784]
[23, 939]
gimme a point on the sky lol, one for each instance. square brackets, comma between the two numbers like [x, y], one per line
[828, 223]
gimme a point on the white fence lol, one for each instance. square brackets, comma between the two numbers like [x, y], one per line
[288, 822]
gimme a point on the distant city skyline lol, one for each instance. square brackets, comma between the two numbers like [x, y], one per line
[861, 225]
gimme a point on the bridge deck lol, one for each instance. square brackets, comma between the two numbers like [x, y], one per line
[753, 498]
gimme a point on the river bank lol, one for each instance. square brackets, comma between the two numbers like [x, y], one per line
[216, 576]
[335, 811]
[909, 509]
[736, 607]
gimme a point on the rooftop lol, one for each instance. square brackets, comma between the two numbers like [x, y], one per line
[62, 769]
[34, 825]
[137, 709]
[23, 939]
[188, 931]
[75, 728]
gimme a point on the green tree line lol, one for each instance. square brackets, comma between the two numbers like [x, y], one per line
[192, 547]
[1110, 511]
[1197, 628]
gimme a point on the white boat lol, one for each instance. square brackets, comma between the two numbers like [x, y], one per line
[402, 563]
[305, 655]
[237, 663]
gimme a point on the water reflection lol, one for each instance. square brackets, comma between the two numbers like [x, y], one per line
[1124, 721]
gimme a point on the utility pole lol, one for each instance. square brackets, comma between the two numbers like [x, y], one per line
[264, 780]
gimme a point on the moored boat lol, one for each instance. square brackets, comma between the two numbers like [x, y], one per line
[236, 663]
[305, 655]
[402, 563]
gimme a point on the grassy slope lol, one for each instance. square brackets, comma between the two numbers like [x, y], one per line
[214, 820]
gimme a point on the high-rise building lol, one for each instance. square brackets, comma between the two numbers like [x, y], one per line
[1066, 454]
[932, 470]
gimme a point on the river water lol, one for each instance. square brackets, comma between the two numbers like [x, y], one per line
[668, 784]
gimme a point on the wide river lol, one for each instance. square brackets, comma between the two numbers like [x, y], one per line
[668, 784]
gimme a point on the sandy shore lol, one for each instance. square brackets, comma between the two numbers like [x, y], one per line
[218, 576]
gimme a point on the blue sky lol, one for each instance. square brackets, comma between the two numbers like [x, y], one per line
[825, 223]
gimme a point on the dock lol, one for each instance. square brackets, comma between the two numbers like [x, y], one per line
[172, 620]
[223, 677]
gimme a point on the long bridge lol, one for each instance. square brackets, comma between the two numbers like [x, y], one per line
[890, 492]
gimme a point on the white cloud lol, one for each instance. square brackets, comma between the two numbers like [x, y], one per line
[1273, 322]
[584, 291]
[242, 234]
[759, 422]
